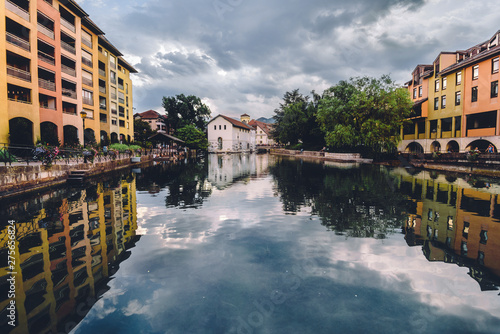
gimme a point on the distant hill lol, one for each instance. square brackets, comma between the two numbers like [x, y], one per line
[266, 120]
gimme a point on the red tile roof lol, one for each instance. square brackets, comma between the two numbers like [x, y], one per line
[150, 114]
[264, 126]
[234, 122]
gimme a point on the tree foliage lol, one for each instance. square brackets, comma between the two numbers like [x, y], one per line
[295, 120]
[142, 131]
[365, 112]
[185, 110]
[193, 137]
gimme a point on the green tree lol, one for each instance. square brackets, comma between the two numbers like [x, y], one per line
[295, 120]
[142, 131]
[184, 110]
[193, 137]
[364, 112]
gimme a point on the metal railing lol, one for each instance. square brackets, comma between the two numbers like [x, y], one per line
[67, 47]
[68, 70]
[17, 41]
[87, 42]
[68, 25]
[17, 10]
[46, 31]
[46, 58]
[102, 89]
[18, 73]
[87, 62]
[88, 82]
[46, 84]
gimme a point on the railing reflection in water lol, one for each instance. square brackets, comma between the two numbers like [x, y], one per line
[66, 253]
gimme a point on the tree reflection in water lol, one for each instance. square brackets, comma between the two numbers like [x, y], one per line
[356, 202]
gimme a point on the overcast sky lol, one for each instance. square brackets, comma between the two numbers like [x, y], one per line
[241, 56]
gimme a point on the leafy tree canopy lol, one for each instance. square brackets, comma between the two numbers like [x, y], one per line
[193, 137]
[184, 110]
[365, 112]
[142, 131]
[295, 120]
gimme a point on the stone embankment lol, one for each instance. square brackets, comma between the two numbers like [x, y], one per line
[18, 179]
[335, 157]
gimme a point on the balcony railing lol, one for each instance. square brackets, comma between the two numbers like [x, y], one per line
[120, 86]
[113, 81]
[68, 25]
[120, 100]
[17, 10]
[69, 93]
[88, 100]
[87, 62]
[45, 84]
[87, 82]
[18, 41]
[20, 99]
[45, 105]
[87, 42]
[102, 73]
[18, 73]
[114, 112]
[68, 70]
[69, 48]
[46, 31]
[69, 112]
[102, 89]
[46, 58]
[113, 96]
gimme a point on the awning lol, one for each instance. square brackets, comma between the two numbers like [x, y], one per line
[163, 137]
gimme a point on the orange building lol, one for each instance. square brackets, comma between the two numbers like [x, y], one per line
[462, 110]
[54, 76]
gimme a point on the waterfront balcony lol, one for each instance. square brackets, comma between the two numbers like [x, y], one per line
[87, 62]
[46, 84]
[18, 73]
[47, 102]
[19, 7]
[18, 94]
[69, 93]
[69, 48]
[68, 43]
[86, 42]
[68, 70]
[17, 41]
[71, 27]
[45, 25]
[88, 100]
[67, 19]
[47, 58]
[17, 34]
[87, 81]
[69, 108]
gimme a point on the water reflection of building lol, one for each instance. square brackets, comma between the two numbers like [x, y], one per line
[223, 170]
[455, 223]
[65, 255]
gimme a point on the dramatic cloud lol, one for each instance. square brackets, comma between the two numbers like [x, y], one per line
[242, 56]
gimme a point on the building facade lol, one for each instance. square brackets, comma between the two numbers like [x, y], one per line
[155, 120]
[226, 134]
[456, 105]
[262, 133]
[59, 65]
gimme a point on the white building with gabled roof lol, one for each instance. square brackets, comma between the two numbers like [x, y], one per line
[228, 135]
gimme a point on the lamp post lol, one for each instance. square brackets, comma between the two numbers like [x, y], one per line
[83, 114]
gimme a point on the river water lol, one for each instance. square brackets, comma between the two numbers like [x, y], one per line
[255, 244]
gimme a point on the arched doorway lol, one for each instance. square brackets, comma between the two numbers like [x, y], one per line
[20, 132]
[114, 138]
[48, 134]
[129, 139]
[435, 146]
[104, 138]
[89, 136]
[70, 134]
[481, 144]
[452, 147]
[414, 148]
[219, 141]
[122, 138]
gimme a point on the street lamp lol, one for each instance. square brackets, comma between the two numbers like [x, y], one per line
[83, 114]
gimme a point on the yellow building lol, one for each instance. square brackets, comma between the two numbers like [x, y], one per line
[54, 77]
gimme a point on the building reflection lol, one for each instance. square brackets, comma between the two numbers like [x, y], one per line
[225, 169]
[455, 222]
[66, 253]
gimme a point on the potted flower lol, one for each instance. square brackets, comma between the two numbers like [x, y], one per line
[46, 154]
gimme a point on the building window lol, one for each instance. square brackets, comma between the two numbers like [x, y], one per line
[475, 72]
[224, 127]
[444, 83]
[459, 78]
[443, 101]
[494, 65]
[474, 94]
[458, 98]
[494, 89]
[215, 127]
[414, 93]
[420, 91]
[220, 127]
[436, 86]
[436, 103]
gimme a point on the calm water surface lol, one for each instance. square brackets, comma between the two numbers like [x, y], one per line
[257, 244]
